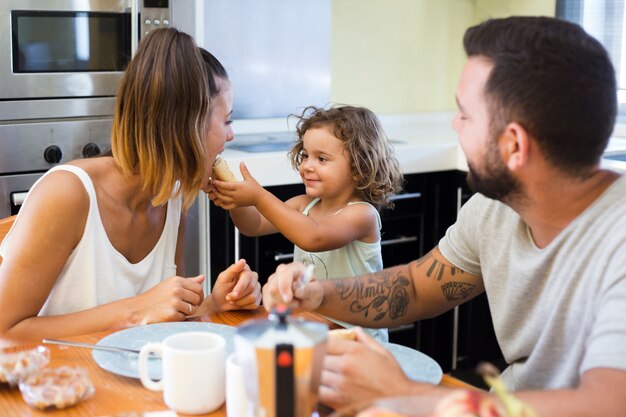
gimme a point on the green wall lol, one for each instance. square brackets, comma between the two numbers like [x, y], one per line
[404, 56]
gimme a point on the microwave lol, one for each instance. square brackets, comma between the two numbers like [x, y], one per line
[63, 49]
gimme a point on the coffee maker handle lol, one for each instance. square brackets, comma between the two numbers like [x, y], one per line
[284, 390]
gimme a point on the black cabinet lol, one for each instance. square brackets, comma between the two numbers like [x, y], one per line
[402, 232]
[475, 340]
[427, 206]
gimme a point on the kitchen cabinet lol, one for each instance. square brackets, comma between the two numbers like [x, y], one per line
[424, 210]
[474, 338]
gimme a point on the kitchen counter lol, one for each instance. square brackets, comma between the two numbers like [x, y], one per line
[423, 142]
[616, 149]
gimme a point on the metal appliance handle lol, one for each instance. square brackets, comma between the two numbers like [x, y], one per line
[405, 196]
[18, 198]
[283, 256]
[134, 29]
[402, 239]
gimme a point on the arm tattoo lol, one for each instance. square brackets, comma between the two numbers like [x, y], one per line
[386, 292]
[457, 290]
[453, 290]
[437, 269]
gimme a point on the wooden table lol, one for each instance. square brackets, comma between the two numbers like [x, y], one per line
[117, 394]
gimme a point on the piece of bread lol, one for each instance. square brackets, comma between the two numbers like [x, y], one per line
[221, 171]
[347, 334]
[378, 412]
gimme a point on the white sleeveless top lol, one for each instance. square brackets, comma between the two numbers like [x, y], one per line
[355, 258]
[95, 272]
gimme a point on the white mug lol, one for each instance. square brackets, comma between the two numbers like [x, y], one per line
[236, 397]
[193, 371]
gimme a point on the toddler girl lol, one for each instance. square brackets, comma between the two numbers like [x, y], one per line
[349, 172]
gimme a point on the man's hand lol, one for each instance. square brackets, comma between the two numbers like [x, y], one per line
[361, 370]
[285, 286]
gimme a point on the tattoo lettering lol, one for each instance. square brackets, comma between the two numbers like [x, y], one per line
[384, 293]
[457, 290]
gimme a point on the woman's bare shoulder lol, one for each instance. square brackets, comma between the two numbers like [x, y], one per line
[60, 185]
[58, 202]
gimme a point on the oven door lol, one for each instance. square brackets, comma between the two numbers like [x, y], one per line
[63, 48]
[13, 190]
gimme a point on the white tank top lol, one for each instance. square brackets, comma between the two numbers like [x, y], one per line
[355, 258]
[95, 272]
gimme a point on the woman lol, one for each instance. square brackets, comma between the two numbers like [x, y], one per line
[97, 242]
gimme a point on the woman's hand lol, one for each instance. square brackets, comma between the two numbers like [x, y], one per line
[236, 288]
[170, 300]
[285, 287]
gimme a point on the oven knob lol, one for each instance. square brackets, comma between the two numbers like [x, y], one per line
[52, 154]
[91, 149]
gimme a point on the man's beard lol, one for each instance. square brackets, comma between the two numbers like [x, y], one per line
[494, 180]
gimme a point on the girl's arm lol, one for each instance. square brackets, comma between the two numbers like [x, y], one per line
[335, 230]
[250, 222]
[256, 211]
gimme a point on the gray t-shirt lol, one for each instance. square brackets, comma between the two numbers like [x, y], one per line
[557, 311]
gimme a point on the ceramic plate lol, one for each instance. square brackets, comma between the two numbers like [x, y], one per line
[126, 364]
[415, 364]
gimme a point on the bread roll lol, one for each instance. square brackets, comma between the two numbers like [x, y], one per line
[378, 412]
[221, 171]
[347, 334]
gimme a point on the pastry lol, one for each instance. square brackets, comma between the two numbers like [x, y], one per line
[378, 412]
[56, 388]
[347, 334]
[16, 366]
[221, 171]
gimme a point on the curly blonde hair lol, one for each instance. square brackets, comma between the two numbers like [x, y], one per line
[374, 166]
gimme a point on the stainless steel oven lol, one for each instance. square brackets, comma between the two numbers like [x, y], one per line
[71, 48]
[29, 148]
[60, 65]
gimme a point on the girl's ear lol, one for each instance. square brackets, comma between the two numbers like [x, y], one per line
[514, 144]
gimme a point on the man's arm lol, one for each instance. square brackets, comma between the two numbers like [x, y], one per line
[600, 393]
[421, 289]
[346, 379]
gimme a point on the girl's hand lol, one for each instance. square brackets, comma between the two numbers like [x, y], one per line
[171, 300]
[212, 193]
[232, 195]
[236, 288]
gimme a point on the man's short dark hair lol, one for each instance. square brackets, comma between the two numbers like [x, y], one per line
[555, 80]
